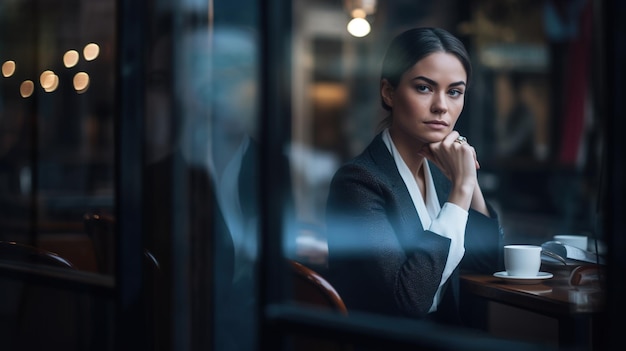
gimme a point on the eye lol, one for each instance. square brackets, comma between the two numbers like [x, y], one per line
[422, 88]
[455, 92]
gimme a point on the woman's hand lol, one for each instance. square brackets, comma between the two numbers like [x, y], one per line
[457, 160]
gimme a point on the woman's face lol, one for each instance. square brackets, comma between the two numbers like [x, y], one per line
[428, 99]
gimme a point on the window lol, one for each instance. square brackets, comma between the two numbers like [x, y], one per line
[169, 162]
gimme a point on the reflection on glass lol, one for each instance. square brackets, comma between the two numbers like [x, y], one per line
[233, 168]
[215, 147]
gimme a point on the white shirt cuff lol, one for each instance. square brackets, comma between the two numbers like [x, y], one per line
[450, 223]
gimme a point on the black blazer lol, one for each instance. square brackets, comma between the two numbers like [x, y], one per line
[380, 258]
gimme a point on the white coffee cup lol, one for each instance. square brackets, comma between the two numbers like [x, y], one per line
[522, 260]
[579, 241]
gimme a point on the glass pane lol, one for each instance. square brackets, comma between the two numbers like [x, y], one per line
[57, 105]
[201, 172]
[538, 148]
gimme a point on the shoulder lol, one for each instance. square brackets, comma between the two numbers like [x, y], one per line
[370, 175]
[375, 162]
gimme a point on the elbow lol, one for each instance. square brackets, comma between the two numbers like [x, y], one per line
[413, 309]
[414, 302]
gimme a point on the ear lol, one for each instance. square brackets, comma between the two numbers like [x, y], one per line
[386, 92]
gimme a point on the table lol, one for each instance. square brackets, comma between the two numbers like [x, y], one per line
[574, 312]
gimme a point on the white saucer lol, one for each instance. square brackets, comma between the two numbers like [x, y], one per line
[523, 280]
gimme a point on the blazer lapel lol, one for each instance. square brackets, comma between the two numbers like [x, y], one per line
[387, 169]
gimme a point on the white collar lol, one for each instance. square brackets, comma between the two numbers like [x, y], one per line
[426, 210]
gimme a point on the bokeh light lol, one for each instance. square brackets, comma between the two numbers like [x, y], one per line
[70, 59]
[8, 68]
[49, 81]
[81, 82]
[359, 27]
[27, 88]
[91, 51]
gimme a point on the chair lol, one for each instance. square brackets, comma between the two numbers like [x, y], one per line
[42, 317]
[14, 252]
[311, 289]
[101, 229]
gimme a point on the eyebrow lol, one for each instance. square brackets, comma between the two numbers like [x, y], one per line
[432, 82]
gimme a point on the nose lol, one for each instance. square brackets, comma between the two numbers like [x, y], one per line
[439, 104]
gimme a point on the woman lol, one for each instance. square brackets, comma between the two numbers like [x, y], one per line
[408, 213]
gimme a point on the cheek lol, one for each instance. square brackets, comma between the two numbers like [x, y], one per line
[455, 111]
[456, 106]
[413, 103]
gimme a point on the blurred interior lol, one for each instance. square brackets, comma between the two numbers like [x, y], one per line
[529, 112]
[532, 111]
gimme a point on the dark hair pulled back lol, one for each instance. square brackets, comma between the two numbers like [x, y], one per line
[412, 45]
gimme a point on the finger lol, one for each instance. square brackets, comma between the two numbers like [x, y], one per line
[475, 157]
[451, 138]
[461, 140]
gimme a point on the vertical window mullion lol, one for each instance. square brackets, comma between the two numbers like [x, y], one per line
[131, 332]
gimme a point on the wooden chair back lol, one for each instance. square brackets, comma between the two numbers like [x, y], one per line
[310, 288]
[313, 289]
[14, 252]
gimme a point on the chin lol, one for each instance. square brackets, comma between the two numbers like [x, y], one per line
[434, 137]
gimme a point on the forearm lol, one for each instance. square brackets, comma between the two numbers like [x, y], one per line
[478, 203]
[462, 195]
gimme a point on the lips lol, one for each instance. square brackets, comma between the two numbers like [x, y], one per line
[441, 123]
[437, 125]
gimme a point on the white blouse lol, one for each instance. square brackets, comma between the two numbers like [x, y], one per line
[448, 221]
